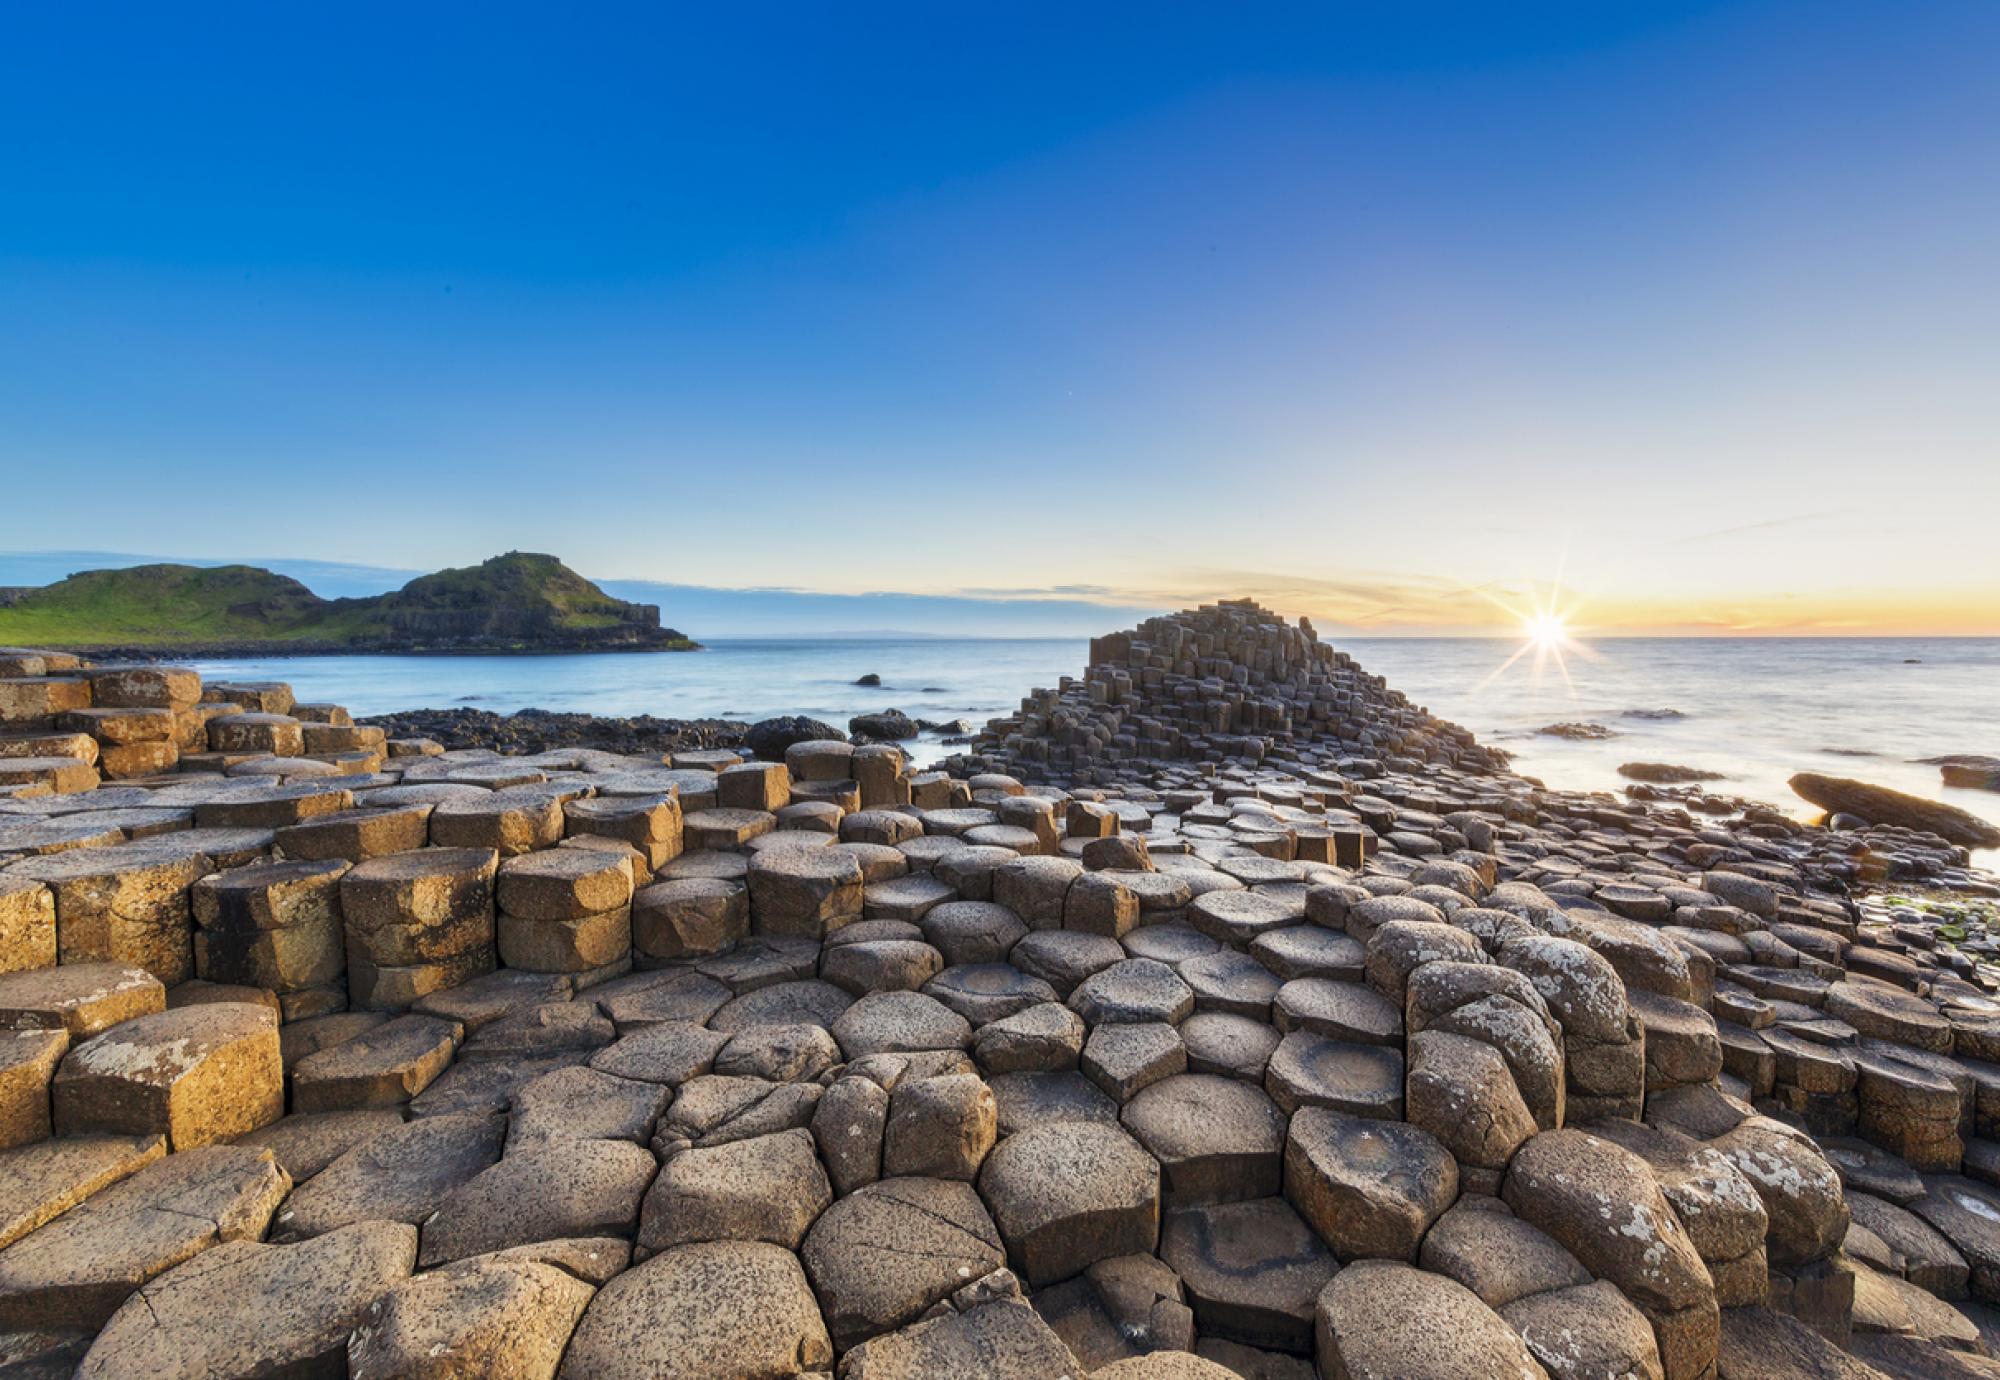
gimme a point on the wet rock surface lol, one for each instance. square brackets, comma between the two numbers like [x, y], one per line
[1221, 1013]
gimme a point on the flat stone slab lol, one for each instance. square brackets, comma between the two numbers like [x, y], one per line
[1339, 1011]
[1232, 1046]
[1308, 1070]
[1231, 982]
[578, 1103]
[1253, 1271]
[983, 992]
[245, 1308]
[1124, 1059]
[307, 1143]
[1024, 1100]
[1217, 1139]
[1069, 1194]
[400, 1175]
[715, 1308]
[541, 1193]
[882, 1255]
[1003, 1338]
[669, 1053]
[382, 1067]
[785, 1003]
[39, 1182]
[1137, 989]
[494, 996]
[764, 1188]
[676, 995]
[899, 1023]
[78, 1269]
[82, 998]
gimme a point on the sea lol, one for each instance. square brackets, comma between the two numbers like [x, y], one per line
[1754, 709]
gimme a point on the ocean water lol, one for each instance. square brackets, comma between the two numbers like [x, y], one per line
[1757, 710]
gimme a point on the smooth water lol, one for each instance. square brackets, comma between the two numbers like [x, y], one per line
[1755, 709]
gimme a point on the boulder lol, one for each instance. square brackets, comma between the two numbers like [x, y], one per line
[1880, 805]
[197, 1074]
[1571, 1185]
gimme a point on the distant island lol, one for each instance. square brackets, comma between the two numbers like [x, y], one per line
[519, 602]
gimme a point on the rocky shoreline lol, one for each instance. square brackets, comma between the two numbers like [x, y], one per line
[541, 730]
[254, 650]
[1221, 1013]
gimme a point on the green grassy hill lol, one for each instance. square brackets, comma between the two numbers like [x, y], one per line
[517, 602]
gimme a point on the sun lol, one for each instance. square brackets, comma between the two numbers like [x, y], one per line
[1547, 631]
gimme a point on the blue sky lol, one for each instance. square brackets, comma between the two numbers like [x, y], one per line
[1391, 315]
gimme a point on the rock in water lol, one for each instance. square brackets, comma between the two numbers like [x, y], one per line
[1880, 805]
[1578, 732]
[886, 725]
[1974, 773]
[870, 679]
[1666, 774]
[769, 738]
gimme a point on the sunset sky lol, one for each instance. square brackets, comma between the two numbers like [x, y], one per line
[1389, 315]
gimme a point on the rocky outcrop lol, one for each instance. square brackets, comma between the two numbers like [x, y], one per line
[1880, 805]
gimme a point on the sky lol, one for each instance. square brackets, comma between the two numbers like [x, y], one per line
[1685, 318]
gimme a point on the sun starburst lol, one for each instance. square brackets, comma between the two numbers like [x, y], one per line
[1547, 631]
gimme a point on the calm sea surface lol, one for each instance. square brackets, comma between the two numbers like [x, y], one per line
[1755, 709]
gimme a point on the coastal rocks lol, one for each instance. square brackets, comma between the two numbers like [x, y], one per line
[541, 730]
[884, 725]
[1880, 805]
[1578, 732]
[1237, 1004]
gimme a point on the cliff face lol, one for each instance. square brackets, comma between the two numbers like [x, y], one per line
[521, 601]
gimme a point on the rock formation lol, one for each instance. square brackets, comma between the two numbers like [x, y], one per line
[1220, 1014]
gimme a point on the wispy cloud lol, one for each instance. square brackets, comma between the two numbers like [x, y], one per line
[1771, 525]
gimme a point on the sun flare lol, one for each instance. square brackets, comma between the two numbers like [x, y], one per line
[1547, 630]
